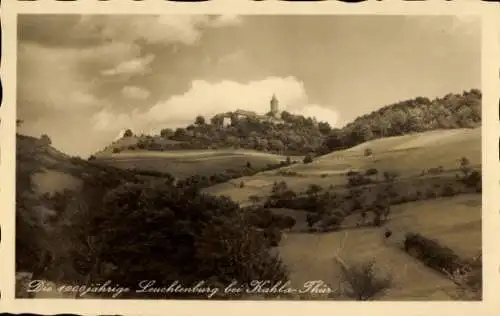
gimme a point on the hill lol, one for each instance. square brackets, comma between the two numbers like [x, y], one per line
[426, 196]
[80, 222]
[299, 135]
[408, 154]
[183, 164]
[411, 116]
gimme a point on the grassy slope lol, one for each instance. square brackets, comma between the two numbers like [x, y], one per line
[311, 256]
[184, 163]
[455, 222]
[49, 169]
[408, 154]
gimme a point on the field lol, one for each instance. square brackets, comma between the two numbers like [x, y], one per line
[409, 155]
[454, 222]
[184, 163]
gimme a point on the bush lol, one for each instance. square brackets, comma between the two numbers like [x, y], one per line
[116, 150]
[431, 253]
[46, 141]
[368, 152]
[308, 159]
[448, 190]
[430, 194]
[473, 179]
[361, 282]
[371, 172]
[357, 179]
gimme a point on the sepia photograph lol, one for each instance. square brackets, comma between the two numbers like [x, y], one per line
[249, 157]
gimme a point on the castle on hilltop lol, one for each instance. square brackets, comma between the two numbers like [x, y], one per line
[273, 116]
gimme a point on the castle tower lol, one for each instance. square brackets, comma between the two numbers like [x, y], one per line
[274, 106]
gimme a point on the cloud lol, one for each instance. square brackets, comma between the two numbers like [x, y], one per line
[207, 99]
[136, 66]
[55, 78]
[106, 120]
[164, 29]
[320, 113]
[134, 92]
[226, 20]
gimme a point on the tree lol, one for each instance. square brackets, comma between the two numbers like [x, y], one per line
[372, 172]
[313, 190]
[46, 139]
[217, 120]
[311, 219]
[465, 167]
[200, 120]
[308, 159]
[324, 128]
[180, 132]
[167, 133]
[390, 175]
[254, 199]
[205, 237]
[128, 133]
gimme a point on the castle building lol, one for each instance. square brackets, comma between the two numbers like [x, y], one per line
[273, 116]
[274, 107]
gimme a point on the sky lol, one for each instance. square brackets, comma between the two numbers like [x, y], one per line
[84, 78]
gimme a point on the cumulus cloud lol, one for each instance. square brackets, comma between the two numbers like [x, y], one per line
[320, 113]
[136, 66]
[207, 99]
[134, 92]
[164, 29]
[52, 77]
[106, 120]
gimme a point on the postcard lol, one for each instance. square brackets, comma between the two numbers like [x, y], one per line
[237, 156]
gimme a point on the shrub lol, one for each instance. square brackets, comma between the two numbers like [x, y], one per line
[473, 179]
[46, 140]
[371, 172]
[357, 179]
[254, 198]
[368, 152]
[91, 157]
[448, 190]
[308, 159]
[361, 282]
[390, 175]
[116, 150]
[311, 219]
[273, 235]
[242, 184]
[431, 253]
